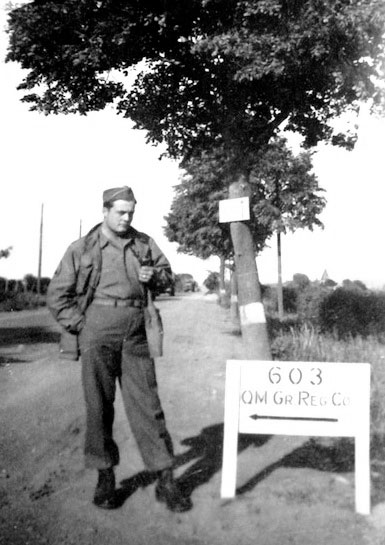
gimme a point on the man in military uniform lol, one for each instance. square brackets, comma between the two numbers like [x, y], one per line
[98, 296]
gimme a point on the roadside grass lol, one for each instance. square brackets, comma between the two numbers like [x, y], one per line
[307, 344]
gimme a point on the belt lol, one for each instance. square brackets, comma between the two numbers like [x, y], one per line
[137, 303]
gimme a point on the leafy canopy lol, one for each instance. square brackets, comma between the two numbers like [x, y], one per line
[209, 72]
[193, 220]
[292, 198]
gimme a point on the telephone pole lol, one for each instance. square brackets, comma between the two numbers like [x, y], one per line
[38, 284]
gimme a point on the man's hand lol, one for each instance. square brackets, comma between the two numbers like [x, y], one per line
[146, 273]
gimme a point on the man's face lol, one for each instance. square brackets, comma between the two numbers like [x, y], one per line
[118, 218]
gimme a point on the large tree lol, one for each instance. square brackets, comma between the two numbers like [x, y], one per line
[214, 73]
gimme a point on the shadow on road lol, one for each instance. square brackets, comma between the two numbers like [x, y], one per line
[205, 453]
[129, 486]
[336, 458]
[206, 449]
[12, 340]
[27, 335]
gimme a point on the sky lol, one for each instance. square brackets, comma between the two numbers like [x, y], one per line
[64, 163]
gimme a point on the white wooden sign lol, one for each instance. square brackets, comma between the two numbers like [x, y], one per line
[298, 398]
[234, 210]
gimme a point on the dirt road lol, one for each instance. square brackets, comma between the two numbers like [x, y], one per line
[290, 491]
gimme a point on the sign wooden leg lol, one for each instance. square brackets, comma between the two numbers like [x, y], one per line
[231, 425]
[362, 472]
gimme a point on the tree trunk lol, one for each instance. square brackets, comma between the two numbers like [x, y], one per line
[222, 289]
[251, 311]
[234, 310]
[279, 287]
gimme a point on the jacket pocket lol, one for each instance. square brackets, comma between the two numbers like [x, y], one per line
[69, 346]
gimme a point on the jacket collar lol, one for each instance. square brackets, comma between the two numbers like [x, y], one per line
[97, 231]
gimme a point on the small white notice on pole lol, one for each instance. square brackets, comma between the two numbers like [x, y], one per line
[234, 210]
[298, 398]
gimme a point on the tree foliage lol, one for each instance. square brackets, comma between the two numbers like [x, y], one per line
[6, 252]
[291, 195]
[214, 72]
[284, 196]
[193, 220]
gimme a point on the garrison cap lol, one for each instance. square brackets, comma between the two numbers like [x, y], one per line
[124, 193]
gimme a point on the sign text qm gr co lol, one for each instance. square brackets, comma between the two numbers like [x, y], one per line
[298, 398]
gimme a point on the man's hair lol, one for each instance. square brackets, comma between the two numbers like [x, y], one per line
[109, 204]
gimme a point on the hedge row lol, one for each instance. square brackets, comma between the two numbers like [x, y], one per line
[345, 311]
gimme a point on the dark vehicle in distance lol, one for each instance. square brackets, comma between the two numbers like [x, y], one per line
[165, 288]
[185, 282]
[181, 283]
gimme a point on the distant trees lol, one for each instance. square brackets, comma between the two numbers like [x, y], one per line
[27, 285]
[31, 284]
[212, 282]
[6, 252]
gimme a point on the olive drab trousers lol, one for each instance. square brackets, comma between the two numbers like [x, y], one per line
[114, 349]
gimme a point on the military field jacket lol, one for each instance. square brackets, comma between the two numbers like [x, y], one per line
[72, 287]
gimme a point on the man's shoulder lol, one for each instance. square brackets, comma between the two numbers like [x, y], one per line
[86, 241]
[76, 246]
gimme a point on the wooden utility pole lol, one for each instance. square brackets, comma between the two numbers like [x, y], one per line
[38, 285]
[280, 286]
[279, 251]
[80, 229]
[222, 290]
[251, 312]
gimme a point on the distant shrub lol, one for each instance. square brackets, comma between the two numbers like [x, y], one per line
[354, 285]
[212, 282]
[301, 280]
[352, 312]
[20, 301]
[3, 284]
[309, 301]
[277, 327]
[182, 280]
[301, 297]
[30, 282]
[290, 299]
[270, 298]
[44, 283]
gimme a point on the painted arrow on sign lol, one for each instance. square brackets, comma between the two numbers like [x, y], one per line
[270, 417]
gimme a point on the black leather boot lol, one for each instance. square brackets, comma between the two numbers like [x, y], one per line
[104, 496]
[168, 491]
